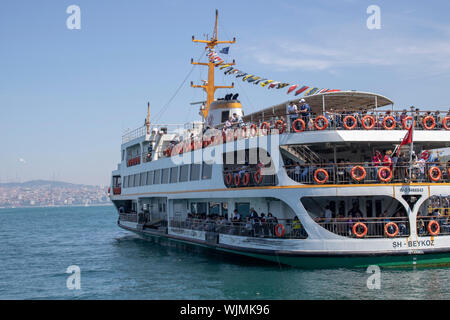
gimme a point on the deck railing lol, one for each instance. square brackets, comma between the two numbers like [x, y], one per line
[362, 227]
[281, 228]
[433, 225]
[354, 173]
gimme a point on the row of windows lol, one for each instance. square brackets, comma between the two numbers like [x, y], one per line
[184, 173]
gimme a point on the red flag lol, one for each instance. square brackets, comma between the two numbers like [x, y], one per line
[408, 138]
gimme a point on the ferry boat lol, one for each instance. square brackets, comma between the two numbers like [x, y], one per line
[310, 190]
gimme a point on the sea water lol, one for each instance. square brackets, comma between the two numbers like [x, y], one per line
[38, 245]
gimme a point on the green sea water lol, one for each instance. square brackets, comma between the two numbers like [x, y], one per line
[37, 245]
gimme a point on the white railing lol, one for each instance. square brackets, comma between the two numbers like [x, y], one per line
[170, 128]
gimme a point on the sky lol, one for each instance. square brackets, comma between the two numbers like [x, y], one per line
[68, 95]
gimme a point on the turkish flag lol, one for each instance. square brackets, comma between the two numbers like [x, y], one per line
[408, 138]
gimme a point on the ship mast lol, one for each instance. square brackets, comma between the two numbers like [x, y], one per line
[209, 86]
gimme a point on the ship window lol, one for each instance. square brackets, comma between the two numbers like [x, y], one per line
[214, 208]
[143, 178]
[136, 180]
[195, 171]
[125, 181]
[206, 171]
[225, 115]
[174, 175]
[243, 208]
[184, 173]
[165, 176]
[131, 181]
[149, 177]
[198, 207]
[157, 177]
[224, 208]
[123, 155]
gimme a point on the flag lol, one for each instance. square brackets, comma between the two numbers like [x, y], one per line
[301, 90]
[225, 50]
[292, 88]
[407, 139]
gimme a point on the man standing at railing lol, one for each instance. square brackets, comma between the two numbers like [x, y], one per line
[293, 112]
[304, 110]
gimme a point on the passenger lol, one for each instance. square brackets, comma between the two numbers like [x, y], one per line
[264, 225]
[297, 172]
[328, 217]
[304, 110]
[296, 227]
[271, 222]
[293, 113]
[249, 227]
[387, 160]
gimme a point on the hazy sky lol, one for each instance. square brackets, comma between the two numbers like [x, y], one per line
[66, 96]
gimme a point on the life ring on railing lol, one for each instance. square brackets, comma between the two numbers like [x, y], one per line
[372, 122]
[228, 178]
[253, 130]
[432, 170]
[386, 229]
[294, 125]
[316, 176]
[356, 233]
[279, 230]
[258, 177]
[243, 131]
[408, 118]
[325, 123]
[353, 173]
[385, 126]
[282, 124]
[425, 122]
[380, 174]
[237, 179]
[444, 123]
[346, 126]
[430, 230]
[265, 125]
[246, 179]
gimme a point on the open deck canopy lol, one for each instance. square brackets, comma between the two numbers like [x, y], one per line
[350, 100]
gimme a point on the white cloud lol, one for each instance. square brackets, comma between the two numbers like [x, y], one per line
[21, 160]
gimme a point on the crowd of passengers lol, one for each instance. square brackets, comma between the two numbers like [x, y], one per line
[253, 225]
[397, 162]
[341, 222]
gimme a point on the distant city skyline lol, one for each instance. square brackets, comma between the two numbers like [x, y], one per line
[68, 95]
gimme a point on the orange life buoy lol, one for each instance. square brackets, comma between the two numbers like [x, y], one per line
[282, 124]
[353, 125]
[253, 130]
[237, 179]
[408, 118]
[437, 170]
[246, 179]
[325, 123]
[360, 177]
[267, 128]
[385, 126]
[372, 122]
[425, 122]
[302, 123]
[258, 177]
[444, 123]
[430, 229]
[278, 232]
[228, 178]
[386, 229]
[243, 132]
[316, 176]
[380, 174]
[355, 231]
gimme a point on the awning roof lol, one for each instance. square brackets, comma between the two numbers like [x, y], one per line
[350, 100]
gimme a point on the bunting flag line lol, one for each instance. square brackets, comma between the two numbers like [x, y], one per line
[263, 82]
